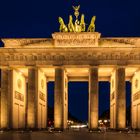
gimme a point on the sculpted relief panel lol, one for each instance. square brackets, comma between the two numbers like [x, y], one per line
[75, 42]
[76, 39]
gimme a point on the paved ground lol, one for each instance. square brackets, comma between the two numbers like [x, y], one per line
[70, 135]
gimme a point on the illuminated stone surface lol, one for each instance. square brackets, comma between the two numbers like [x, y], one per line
[93, 98]
[32, 98]
[75, 54]
[60, 99]
[5, 98]
[118, 99]
[135, 98]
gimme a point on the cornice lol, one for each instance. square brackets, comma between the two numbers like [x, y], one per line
[72, 39]
[16, 43]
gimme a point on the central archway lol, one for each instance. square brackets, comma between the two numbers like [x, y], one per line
[78, 101]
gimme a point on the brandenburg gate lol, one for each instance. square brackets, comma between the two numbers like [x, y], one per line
[73, 54]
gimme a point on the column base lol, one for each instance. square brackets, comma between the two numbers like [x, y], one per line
[36, 129]
[5, 129]
[59, 130]
[136, 129]
[118, 129]
[93, 129]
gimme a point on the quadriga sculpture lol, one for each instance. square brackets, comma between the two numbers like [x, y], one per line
[63, 27]
[71, 25]
[91, 27]
[82, 23]
[77, 26]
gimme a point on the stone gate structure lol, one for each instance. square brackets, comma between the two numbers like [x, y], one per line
[28, 64]
[72, 54]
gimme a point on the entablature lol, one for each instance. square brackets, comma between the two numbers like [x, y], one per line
[76, 56]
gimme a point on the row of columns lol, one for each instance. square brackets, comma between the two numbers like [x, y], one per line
[117, 87]
[119, 110]
[117, 103]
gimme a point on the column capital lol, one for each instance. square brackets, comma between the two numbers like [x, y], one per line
[32, 67]
[120, 66]
[6, 68]
[59, 66]
[93, 66]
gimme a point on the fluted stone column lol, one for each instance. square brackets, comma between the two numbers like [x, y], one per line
[121, 99]
[93, 98]
[118, 99]
[32, 98]
[6, 99]
[59, 100]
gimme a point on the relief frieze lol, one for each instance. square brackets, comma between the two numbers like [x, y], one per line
[68, 56]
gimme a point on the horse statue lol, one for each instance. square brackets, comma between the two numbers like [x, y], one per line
[82, 23]
[71, 25]
[91, 27]
[63, 27]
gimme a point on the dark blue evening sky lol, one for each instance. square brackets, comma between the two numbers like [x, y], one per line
[39, 18]
[78, 98]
